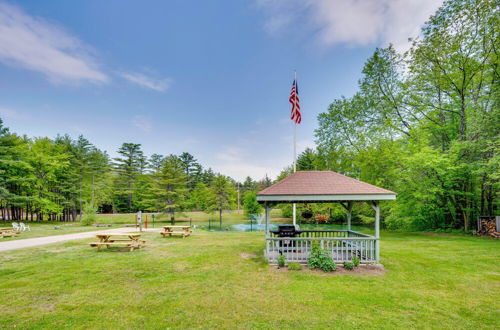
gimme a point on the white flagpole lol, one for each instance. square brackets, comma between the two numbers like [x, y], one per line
[295, 147]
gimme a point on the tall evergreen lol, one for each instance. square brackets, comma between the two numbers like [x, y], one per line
[172, 182]
[128, 167]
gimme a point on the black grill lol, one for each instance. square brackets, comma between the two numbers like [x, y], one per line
[288, 231]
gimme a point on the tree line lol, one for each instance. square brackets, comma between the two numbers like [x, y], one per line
[58, 179]
[425, 123]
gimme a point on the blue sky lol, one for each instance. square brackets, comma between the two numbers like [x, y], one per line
[208, 77]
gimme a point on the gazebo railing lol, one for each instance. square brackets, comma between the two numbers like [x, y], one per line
[340, 245]
[326, 233]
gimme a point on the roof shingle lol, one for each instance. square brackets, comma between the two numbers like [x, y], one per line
[322, 183]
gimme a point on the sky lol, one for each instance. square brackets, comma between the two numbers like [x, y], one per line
[208, 77]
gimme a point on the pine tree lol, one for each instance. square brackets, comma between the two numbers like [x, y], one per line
[221, 188]
[171, 183]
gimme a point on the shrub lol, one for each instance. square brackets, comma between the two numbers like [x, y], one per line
[294, 266]
[348, 265]
[281, 261]
[89, 215]
[355, 261]
[320, 259]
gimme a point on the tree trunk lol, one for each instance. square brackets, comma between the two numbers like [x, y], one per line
[92, 202]
[220, 217]
[81, 201]
[130, 197]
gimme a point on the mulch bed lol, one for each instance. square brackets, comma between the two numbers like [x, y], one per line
[361, 270]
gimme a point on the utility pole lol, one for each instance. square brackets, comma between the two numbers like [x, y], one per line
[238, 197]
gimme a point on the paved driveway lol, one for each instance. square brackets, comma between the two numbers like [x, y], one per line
[30, 242]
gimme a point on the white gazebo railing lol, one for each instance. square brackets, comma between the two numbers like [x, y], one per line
[341, 245]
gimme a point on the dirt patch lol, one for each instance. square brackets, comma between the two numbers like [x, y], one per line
[248, 255]
[361, 270]
[49, 308]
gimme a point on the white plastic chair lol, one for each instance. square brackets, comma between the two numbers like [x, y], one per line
[16, 226]
[24, 227]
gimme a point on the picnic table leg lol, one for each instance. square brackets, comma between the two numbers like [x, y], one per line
[102, 240]
[135, 243]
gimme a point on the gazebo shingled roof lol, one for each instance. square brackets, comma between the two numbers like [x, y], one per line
[309, 186]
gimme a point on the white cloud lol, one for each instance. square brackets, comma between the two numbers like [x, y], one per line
[142, 123]
[36, 44]
[159, 85]
[7, 113]
[304, 144]
[236, 163]
[351, 22]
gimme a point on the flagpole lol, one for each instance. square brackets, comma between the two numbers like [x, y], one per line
[295, 146]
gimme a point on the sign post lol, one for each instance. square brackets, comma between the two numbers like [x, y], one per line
[139, 220]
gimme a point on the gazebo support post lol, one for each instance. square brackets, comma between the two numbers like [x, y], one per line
[348, 208]
[376, 208]
[349, 215]
[267, 211]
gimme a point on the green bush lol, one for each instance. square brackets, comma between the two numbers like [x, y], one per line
[281, 261]
[348, 265]
[89, 215]
[294, 266]
[319, 258]
[355, 261]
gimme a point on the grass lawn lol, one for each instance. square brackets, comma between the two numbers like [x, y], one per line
[47, 229]
[431, 281]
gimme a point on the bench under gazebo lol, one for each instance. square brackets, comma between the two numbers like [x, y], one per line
[323, 187]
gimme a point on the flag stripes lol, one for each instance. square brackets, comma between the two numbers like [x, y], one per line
[294, 100]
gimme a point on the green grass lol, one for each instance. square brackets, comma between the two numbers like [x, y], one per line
[431, 281]
[47, 229]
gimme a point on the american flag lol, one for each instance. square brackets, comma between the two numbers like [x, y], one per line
[294, 100]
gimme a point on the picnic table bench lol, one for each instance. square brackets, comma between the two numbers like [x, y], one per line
[130, 240]
[176, 230]
[8, 232]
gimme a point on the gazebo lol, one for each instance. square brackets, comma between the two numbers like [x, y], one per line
[323, 187]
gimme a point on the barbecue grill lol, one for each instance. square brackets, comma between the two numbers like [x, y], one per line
[287, 231]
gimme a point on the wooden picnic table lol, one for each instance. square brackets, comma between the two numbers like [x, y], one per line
[130, 240]
[7, 232]
[176, 230]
